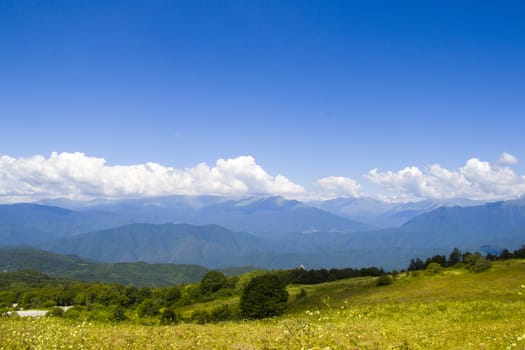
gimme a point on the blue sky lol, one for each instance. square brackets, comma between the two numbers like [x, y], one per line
[309, 89]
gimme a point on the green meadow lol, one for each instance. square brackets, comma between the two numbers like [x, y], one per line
[451, 309]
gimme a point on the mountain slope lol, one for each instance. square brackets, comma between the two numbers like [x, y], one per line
[209, 245]
[386, 214]
[136, 274]
[275, 216]
[263, 216]
[32, 223]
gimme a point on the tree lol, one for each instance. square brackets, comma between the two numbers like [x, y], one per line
[148, 308]
[505, 255]
[212, 282]
[168, 316]
[416, 264]
[441, 260]
[454, 257]
[171, 295]
[264, 296]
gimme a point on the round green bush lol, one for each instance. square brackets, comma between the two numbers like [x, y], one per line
[212, 282]
[434, 268]
[264, 296]
[384, 281]
[55, 311]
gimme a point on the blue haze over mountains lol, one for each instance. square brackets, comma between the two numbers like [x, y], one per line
[268, 232]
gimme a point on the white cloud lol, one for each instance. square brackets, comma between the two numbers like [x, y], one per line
[77, 176]
[507, 159]
[338, 186]
[475, 180]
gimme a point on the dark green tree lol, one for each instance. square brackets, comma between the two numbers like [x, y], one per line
[505, 255]
[212, 282]
[168, 316]
[171, 295]
[264, 296]
[455, 257]
[148, 308]
[416, 264]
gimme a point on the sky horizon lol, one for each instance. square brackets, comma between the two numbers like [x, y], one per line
[305, 99]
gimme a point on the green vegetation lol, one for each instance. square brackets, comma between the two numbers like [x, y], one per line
[384, 281]
[137, 274]
[265, 296]
[212, 282]
[454, 309]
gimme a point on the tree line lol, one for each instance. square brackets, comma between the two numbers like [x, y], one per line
[472, 261]
[106, 302]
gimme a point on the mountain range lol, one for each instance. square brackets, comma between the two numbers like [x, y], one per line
[271, 232]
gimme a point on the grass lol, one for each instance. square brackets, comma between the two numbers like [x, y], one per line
[453, 310]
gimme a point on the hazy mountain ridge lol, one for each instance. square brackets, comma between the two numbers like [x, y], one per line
[261, 216]
[27, 223]
[386, 214]
[209, 245]
[290, 233]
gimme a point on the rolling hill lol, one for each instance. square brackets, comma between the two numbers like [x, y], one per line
[137, 274]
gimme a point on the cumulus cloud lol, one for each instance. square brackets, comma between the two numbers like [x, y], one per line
[77, 176]
[338, 186]
[477, 179]
[507, 159]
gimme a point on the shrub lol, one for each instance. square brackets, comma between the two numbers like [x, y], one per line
[384, 281]
[434, 268]
[221, 313]
[75, 312]
[395, 273]
[118, 312]
[200, 316]
[172, 295]
[264, 296]
[55, 312]
[100, 316]
[148, 308]
[168, 316]
[212, 282]
[48, 303]
[476, 263]
[480, 265]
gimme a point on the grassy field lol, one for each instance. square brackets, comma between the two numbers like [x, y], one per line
[455, 309]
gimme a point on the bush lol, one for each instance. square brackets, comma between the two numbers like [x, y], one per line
[118, 312]
[75, 312]
[200, 316]
[434, 268]
[212, 282]
[148, 308]
[264, 296]
[480, 265]
[221, 313]
[48, 303]
[384, 281]
[476, 263]
[168, 316]
[172, 295]
[55, 312]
